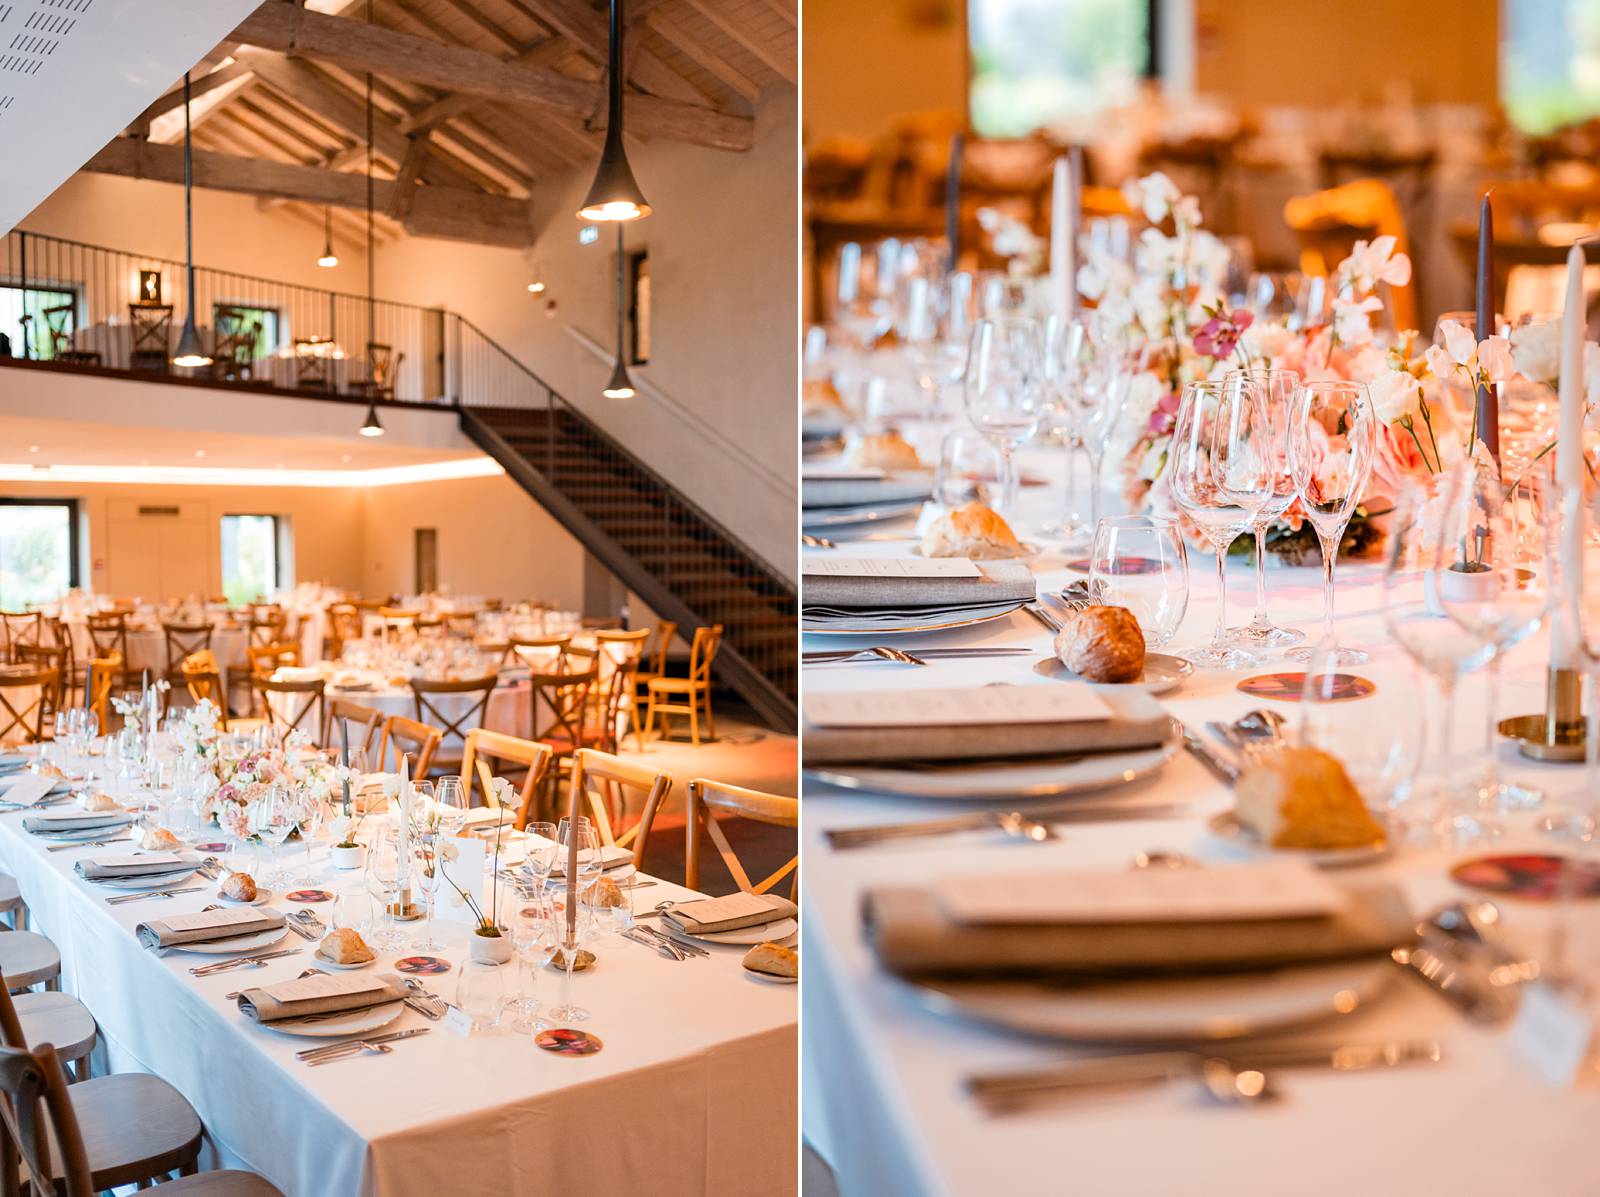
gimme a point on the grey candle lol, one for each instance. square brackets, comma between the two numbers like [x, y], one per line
[1488, 406]
[344, 760]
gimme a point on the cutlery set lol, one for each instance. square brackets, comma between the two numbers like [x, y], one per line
[305, 924]
[160, 893]
[116, 839]
[377, 1044]
[254, 960]
[663, 943]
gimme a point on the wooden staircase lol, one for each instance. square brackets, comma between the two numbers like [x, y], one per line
[669, 552]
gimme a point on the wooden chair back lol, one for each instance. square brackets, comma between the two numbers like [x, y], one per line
[709, 798]
[344, 623]
[540, 655]
[565, 695]
[108, 636]
[617, 693]
[150, 336]
[102, 675]
[267, 659]
[484, 746]
[46, 659]
[58, 323]
[383, 367]
[265, 687]
[364, 723]
[313, 359]
[18, 628]
[235, 339]
[402, 735]
[601, 781]
[61, 637]
[22, 712]
[38, 1112]
[268, 625]
[453, 732]
[703, 652]
[183, 641]
[665, 631]
[202, 678]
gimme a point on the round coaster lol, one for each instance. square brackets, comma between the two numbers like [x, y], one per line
[565, 1041]
[583, 961]
[1287, 687]
[211, 847]
[422, 966]
[309, 895]
[1123, 566]
[1532, 876]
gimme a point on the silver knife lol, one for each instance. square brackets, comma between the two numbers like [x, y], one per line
[1215, 765]
[313, 1053]
[222, 966]
[974, 651]
[160, 893]
[861, 837]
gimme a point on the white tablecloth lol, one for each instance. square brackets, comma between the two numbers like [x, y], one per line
[883, 1072]
[693, 1095]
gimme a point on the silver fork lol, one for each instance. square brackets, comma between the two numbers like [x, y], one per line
[876, 653]
[430, 1005]
[116, 839]
[663, 937]
[160, 893]
[639, 936]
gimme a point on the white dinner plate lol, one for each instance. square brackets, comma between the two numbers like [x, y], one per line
[1162, 674]
[1025, 551]
[263, 896]
[149, 880]
[1170, 1009]
[913, 623]
[242, 943]
[324, 962]
[769, 979]
[357, 1022]
[103, 832]
[1003, 780]
[773, 932]
[862, 513]
[1227, 826]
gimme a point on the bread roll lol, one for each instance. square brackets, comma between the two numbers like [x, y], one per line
[158, 839]
[1303, 798]
[607, 894]
[773, 959]
[882, 451]
[239, 887]
[344, 946]
[972, 531]
[1102, 644]
[93, 800]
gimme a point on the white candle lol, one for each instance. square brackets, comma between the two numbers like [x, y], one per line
[405, 822]
[1569, 463]
[1062, 265]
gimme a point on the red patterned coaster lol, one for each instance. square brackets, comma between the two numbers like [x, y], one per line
[564, 1041]
[1123, 565]
[1534, 877]
[425, 966]
[309, 895]
[1287, 687]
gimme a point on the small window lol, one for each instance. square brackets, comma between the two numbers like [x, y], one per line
[259, 326]
[639, 307]
[38, 551]
[250, 558]
[42, 307]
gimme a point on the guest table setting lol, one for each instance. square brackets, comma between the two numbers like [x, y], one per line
[1107, 887]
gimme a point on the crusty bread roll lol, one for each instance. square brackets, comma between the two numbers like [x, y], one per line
[773, 959]
[819, 395]
[882, 451]
[94, 800]
[1102, 644]
[972, 531]
[239, 887]
[344, 946]
[158, 839]
[607, 894]
[1303, 798]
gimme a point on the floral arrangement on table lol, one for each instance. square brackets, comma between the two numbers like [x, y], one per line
[437, 851]
[244, 779]
[135, 713]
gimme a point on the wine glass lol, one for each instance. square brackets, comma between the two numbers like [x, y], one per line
[1140, 562]
[1095, 374]
[1063, 356]
[1439, 647]
[451, 798]
[1333, 435]
[970, 470]
[574, 926]
[1379, 738]
[426, 850]
[1221, 476]
[275, 818]
[312, 812]
[541, 848]
[384, 873]
[532, 932]
[1004, 391]
[481, 992]
[1277, 389]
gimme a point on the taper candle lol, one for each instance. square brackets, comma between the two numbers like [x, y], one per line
[344, 761]
[1488, 399]
[1061, 264]
[572, 861]
[952, 200]
[1564, 654]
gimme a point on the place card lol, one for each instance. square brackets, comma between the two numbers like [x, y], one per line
[1069, 702]
[1553, 1031]
[1273, 890]
[457, 1021]
[461, 861]
[28, 789]
[889, 567]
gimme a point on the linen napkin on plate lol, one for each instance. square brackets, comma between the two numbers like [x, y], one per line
[851, 597]
[321, 994]
[12, 761]
[914, 933]
[1135, 721]
[25, 789]
[77, 821]
[145, 865]
[209, 926]
[845, 490]
[729, 913]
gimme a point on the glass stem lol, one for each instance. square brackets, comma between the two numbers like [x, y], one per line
[1329, 556]
[571, 953]
[1094, 488]
[1008, 482]
[1069, 512]
[1489, 779]
[1260, 622]
[1222, 595]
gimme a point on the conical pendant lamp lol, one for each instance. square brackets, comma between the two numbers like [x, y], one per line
[370, 426]
[614, 194]
[328, 258]
[620, 386]
[190, 351]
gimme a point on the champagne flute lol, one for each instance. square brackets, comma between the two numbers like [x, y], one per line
[574, 927]
[1063, 359]
[427, 848]
[1221, 476]
[1333, 435]
[1277, 389]
[1004, 391]
[1096, 381]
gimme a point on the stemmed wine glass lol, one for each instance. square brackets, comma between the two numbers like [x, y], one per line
[385, 871]
[1277, 389]
[1222, 474]
[311, 811]
[1095, 375]
[1004, 390]
[533, 930]
[427, 849]
[1333, 435]
[573, 926]
[451, 798]
[276, 816]
[1063, 357]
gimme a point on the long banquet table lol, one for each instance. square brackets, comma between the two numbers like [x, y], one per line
[693, 1094]
[883, 1073]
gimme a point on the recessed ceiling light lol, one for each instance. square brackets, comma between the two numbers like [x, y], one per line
[199, 452]
[33, 448]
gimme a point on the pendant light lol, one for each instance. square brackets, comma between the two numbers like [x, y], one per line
[370, 426]
[620, 386]
[328, 258]
[614, 194]
[190, 351]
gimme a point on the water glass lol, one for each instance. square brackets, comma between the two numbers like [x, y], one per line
[1140, 562]
[971, 470]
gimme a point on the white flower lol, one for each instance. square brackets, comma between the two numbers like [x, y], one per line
[1536, 350]
[1351, 322]
[1371, 263]
[1395, 395]
[1460, 342]
[1154, 195]
[391, 785]
[504, 792]
[1494, 359]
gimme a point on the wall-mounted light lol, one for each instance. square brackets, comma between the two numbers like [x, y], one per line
[328, 258]
[614, 194]
[149, 286]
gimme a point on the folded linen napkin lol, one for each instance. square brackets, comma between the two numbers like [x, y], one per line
[913, 935]
[77, 821]
[826, 619]
[209, 926]
[25, 789]
[321, 994]
[997, 582]
[143, 865]
[1137, 721]
[611, 857]
[729, 913]
[858, 491]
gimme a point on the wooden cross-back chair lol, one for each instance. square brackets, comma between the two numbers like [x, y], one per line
[344, 623]
[301, 698]
[709, 798]
[18, 628]
[563, 697]
[72, 679]
[183, 640]
[235, 340]
[453, 731]
[61, 324]
[24, 698]
[268, 625]
[602, 783]
[383, 367]
[484, 746]
[313, 362]
[689, 695]
[150, 337]
[402, 735]
[108, 637]
[364, 722]
[539, 655]
[46, 659]
[202, 678]
[101, 675]
[267, 659]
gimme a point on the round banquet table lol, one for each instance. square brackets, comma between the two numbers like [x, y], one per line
[883, 1097]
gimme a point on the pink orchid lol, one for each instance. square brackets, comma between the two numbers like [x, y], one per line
[1218, 336]
[1165, 415]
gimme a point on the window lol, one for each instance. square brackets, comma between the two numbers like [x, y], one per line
[246, 318]
[15, 303]
[1550, 63]
[639, 308]
[250, 558]
[38, 550]
[1035, 62]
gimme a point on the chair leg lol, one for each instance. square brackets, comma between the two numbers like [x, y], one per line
[694, 720]
[711, 727]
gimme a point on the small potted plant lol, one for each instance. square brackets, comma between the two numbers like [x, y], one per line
[489, 944]
[348, 852]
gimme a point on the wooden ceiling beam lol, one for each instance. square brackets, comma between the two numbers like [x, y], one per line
[172, 100]
[483, 21]
[407, 177]
[590, 32]
[694, 47]
[436, 211]
[784, 9]
[279, 25]
[740, 32]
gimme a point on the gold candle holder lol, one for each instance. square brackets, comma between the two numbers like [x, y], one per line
[1561, 733]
